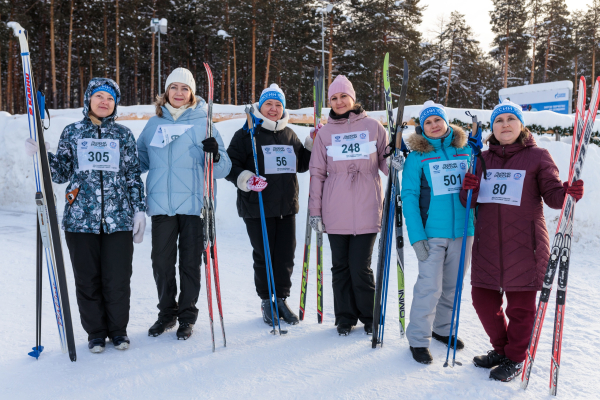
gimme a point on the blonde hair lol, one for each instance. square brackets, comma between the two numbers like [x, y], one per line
[162, 99]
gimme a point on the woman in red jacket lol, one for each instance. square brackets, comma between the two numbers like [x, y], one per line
[511, 245]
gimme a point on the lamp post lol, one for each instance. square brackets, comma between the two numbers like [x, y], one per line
[159, 26]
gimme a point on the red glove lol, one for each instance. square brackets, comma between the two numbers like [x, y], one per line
[470, 181]
[257, 183]
[575, 190]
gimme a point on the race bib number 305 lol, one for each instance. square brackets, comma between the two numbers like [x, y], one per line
[502, 186]
[279, 159]
[98, 154]
[447, 176]
[351, 146]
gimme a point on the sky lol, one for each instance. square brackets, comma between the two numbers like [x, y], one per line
[476, 13]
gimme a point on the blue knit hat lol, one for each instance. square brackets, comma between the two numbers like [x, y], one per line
[273, 92]
[430, 108]
[107, 89]
[509, 107]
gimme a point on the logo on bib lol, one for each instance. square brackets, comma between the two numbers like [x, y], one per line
[98, 144]
[338, 138]
[463, 165]
[488, 175]
[350, 136]
[502, 175]
[113, 145]
[363, 135]
[436, 167]
[267, 150]
[517, 176]
[289, 150]
[84, 145]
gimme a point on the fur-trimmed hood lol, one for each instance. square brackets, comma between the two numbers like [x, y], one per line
[422, 144]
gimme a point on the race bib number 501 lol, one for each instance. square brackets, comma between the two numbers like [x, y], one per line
[98, 154]
[447, 176]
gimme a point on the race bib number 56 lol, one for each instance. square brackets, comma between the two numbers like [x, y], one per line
[447, 176]
[279, 159]
[98, 154]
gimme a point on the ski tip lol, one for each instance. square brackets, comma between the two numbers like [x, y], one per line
[282, 332]
[454, 362]
[36, 351]
[524, 384]
[446, 364]
[16, 27]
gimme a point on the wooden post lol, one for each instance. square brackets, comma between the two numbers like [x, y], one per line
[235, 86]
[269, 53]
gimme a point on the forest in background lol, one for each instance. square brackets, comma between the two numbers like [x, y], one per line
[250, 44]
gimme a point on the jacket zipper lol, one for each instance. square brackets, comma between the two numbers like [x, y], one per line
[451, 197]
[101, 191]
[353, 197]
[500, 234]
[169, 182]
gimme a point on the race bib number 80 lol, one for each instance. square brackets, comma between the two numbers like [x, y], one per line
[502, 186]
[98, 154]
[447, 176]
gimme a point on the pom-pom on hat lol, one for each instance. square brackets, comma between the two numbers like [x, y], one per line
[508, 107]
[106, 88]
[181, 75]
[341, 84]
[430, 108]
[273, 92]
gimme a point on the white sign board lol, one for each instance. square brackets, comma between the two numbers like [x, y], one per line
[552, 96]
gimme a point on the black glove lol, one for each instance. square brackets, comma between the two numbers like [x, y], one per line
[212, 146]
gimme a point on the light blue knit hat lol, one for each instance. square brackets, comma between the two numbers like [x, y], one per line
[509, 107]
[430, 108]
[273, 92]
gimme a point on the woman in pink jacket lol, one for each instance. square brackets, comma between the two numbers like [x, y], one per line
[346, 201]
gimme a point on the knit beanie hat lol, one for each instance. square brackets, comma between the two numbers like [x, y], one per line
[273, 92]
[430, 108]
[181, 75]
[341, 84]
[106, 88]
[509, 107]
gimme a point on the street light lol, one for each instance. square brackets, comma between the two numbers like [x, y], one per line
[158, 26]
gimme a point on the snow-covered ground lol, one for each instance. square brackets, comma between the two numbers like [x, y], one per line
[311, 361]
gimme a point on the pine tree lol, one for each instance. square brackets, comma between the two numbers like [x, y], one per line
[555, 48]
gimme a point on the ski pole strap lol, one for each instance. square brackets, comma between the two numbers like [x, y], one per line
[251, 120]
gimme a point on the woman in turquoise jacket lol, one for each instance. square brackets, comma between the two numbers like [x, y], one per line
[171, 149]
[435, 218]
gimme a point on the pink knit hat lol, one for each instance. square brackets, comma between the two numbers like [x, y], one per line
[341, 84]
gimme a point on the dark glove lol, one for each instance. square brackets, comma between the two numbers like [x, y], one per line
[575, 190]
[470, 181]
[212, 146]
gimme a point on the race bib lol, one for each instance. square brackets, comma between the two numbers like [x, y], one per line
[165, 134]
[98, 154]
[502, 186]
[447, 176]
[279, 159]
[351, 146]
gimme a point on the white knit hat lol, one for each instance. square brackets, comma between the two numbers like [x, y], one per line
[181, 75]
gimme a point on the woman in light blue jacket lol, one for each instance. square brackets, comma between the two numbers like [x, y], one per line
[431, 183]
[171, 149]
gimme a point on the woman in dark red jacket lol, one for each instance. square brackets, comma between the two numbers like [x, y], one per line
[511, 245]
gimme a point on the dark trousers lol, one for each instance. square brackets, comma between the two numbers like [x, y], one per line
[282, 243]
[102, 270]
[352, 277]
[512, 338]
[166, 231]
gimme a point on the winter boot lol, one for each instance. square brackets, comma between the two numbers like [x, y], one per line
[421, 355]
[161, 325]
[344, 328]
[506, 371]
[369, 329]
[285, 312]
[97, 345]
[444, 339]
[185, 330]
[491, 359]
[121, 342]
[265, 307]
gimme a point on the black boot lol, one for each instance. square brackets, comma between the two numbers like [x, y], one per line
[444, 339]
[185, 330]
[369, 329]
[265, 307]
[285, 312]
[121, 342]
[506, 371]
[421, 355]
[491, 359]
[97, 345]
[344, 328]
[161, 325]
